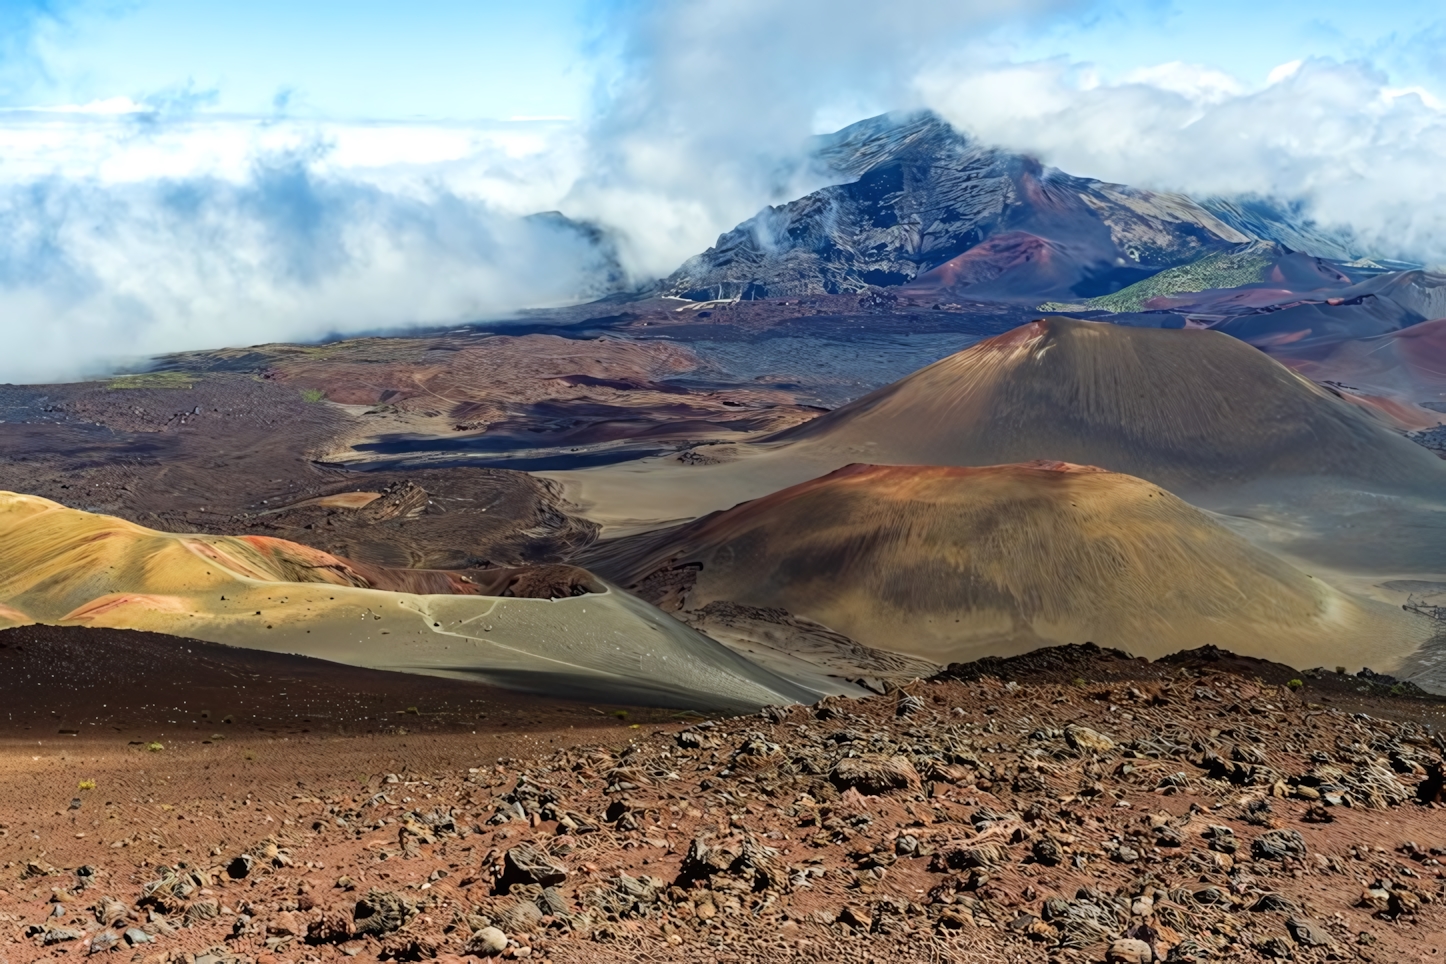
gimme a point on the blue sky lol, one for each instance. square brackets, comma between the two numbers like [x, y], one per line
[1248, 38]
[447, 59]
[362, 58]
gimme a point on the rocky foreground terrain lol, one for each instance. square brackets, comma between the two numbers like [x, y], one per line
[1069, 805]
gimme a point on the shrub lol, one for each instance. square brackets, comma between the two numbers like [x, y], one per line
[1295, 684]
[152, 380]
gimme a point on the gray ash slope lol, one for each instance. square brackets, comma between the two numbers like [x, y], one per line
[927, 207]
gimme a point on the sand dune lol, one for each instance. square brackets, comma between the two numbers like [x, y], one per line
[67, 567]
[951, 564]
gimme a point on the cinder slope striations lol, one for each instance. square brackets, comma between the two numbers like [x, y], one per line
[1190, 410]
[954, 563]
[1409, 364]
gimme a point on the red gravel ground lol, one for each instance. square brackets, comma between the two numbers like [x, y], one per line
[1090, 808]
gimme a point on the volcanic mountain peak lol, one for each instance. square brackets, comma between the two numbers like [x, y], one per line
[921, 195]
[1187, 409]
[946, 562]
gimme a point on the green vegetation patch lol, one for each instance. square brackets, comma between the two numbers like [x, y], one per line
[313, 395]
[1224, 269]
[154, 380]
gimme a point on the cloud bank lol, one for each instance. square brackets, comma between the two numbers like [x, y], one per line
[1360, 156]
[135, 227]
[709, 110]
[102, 265]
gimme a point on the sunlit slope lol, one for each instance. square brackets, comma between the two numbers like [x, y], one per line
[956, 563]
[10, 618]
[1190, 410]
[64, 566]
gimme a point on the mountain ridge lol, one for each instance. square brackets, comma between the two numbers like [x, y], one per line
[917, 195]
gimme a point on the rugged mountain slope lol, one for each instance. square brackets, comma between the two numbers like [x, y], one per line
[1282, 222]
[68, 567]
[953, 563]
[1186, 409]
[924, 205]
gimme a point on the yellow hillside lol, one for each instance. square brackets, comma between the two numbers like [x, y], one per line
[64, 566]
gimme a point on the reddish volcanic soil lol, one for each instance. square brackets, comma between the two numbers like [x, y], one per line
[1107, 807]
[985, 262]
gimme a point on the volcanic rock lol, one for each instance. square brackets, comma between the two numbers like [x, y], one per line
[381, 912]
[529, 865]
[873, 775]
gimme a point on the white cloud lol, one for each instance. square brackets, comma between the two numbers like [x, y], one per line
[708, 117]
[1191, 81]
[137, 226]
[521, 165]
[1284, 72]
[253, 235]
[1425, 96]
[1359, 154]
[108, 106]
[134, 226]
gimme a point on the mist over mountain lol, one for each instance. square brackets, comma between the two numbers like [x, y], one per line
[141, 214]
[932, 209]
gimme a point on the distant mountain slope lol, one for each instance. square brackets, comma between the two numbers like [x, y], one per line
[1262, 276]
[927, 207]
[1244, 265]
[1306, 315]
[1283, 223]
[1407, 364]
